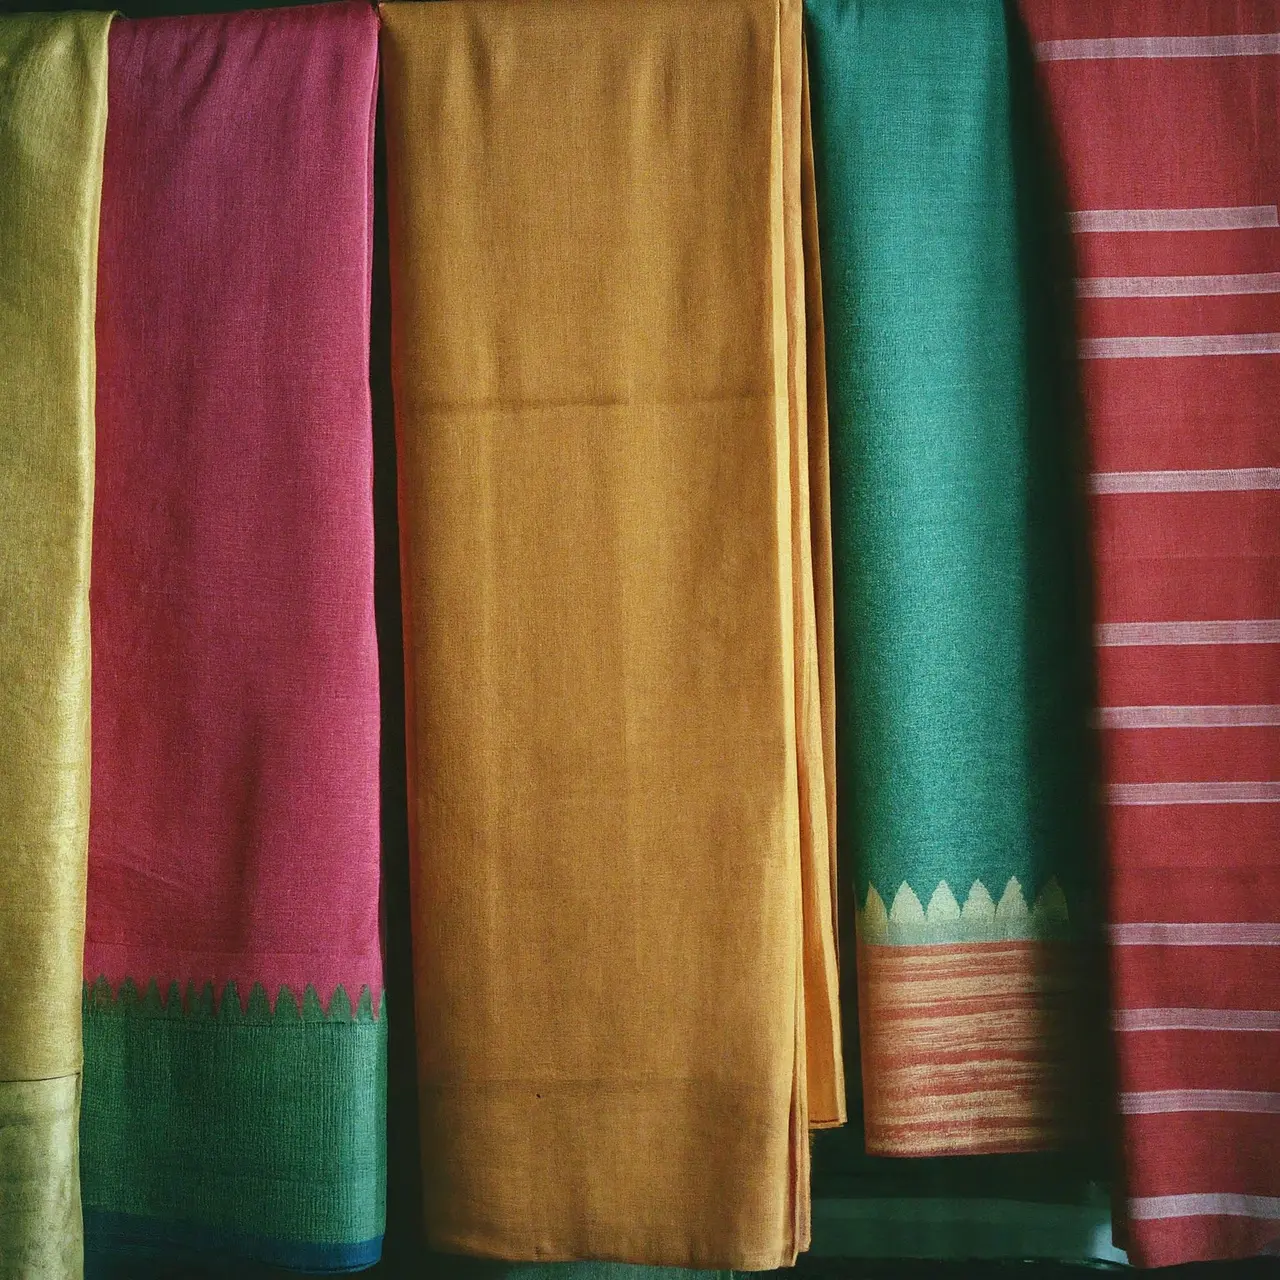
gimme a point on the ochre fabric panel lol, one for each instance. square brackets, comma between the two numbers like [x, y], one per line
[620, 899]
[53, 108]
[819, 484]
[812, 533]
[814, 712]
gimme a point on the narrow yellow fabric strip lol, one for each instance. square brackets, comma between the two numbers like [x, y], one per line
[53, 107]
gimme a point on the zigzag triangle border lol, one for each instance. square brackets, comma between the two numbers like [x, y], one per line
[981, 919]
[204, 1003]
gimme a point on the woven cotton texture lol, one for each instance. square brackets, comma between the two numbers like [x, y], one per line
[234, 1034]
[1168, 121]
[961, 718]
[53, 103]
[624, 944]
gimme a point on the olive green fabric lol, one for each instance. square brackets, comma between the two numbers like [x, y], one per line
[52, 126]
[40, 1232]
[53, 106]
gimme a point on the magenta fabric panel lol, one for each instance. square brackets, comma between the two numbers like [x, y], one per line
[234, 827]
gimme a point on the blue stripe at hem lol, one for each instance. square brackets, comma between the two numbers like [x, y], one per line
[109, 1236]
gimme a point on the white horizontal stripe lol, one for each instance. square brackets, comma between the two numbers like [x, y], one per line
[1194, 792]
[1219, 1204]
[1160, 47]
[1188, 717]
[1245, 933]
[1238, 218]
[1178, 286]
[1164, 1101]
[1196, 344]
[1221, 480]
[1226, 631]
[1196, 1020]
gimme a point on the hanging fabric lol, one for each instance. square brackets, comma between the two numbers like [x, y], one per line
[615, 610]
[962, 717]
[1167, 120]
[53, 107]
[233, 1022]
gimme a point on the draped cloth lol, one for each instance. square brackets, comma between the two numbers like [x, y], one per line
[609, 413]
[53, 104]
[1167, 121]
[962, 706]
[234, 1039]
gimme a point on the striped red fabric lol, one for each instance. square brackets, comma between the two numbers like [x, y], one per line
[969, 1034]
[1167, 117]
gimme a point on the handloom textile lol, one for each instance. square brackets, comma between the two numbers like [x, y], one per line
[961, 728]
[1167, 118]
[53, 106]
[609, 413]
[234, 1079]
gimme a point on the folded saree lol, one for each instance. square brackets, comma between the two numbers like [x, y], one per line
[962, 701]
[614, 612]
[53, 104]
[234, 1039]
[1178, 254]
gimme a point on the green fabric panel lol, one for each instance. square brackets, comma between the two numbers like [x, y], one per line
[40, 1233]
[266, 1123]
[446, 1267]
[967, 1227]
[1046, 1205]
[960, 730]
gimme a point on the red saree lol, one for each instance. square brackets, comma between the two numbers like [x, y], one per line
[1167, 119]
